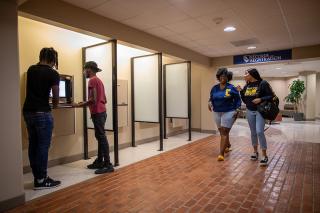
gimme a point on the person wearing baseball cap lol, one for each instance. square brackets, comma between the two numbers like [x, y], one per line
[97, 104]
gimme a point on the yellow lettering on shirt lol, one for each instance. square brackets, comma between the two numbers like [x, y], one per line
[227, 94]
[251, 91]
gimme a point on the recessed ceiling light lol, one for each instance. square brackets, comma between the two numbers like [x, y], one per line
[229, 29]
[278, 68]
[251, 47]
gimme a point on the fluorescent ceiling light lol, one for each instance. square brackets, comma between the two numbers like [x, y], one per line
[278, 68]
[229, 29]
[251, 47]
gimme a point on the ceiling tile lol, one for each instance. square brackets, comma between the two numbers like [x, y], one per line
[160, 31]
[200, 34]
[142, 6]
[115, 10]
[261, 13]
[189, 25]
[197, 8]
[303, 21]
[176, 38]
[140, 23]
[156, 18]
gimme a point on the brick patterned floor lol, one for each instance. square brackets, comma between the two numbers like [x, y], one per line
[190, 179]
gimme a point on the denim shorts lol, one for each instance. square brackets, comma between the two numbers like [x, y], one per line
[224, 119]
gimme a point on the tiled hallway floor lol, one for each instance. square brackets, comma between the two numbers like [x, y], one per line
[190, 179]
[76, 172]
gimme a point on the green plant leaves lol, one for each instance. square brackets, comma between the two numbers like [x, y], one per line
[296, 90]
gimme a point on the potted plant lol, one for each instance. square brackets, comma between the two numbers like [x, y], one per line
[295, 95]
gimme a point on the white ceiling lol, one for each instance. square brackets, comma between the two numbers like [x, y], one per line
[284, 69]
[277, 24]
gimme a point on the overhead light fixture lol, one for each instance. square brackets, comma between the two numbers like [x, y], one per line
[251, 47]
[229, 29]
[278, 68]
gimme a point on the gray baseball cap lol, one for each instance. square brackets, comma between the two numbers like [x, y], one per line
[92, 65]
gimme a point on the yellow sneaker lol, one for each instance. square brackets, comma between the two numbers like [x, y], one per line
[220, 158]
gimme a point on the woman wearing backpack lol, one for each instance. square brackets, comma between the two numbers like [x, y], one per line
[255, 92]
[224, 101]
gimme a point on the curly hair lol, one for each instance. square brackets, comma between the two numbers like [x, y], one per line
[221, 72]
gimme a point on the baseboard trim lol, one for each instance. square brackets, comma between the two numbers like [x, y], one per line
[204, 131]
[209, 131]
[310, 119]
[12, 202]
[177, 132]
[70, 159]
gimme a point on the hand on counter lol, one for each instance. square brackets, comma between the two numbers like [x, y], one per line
[77, 105]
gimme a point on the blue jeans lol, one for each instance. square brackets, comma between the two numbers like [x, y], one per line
[99, 120]
[256, 124]
[39, 126]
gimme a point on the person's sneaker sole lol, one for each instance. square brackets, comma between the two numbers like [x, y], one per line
[254, 158]
[45, 187]
[92, 168]
[104, 170]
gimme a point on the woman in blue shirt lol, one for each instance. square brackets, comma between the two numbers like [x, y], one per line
[224, 101]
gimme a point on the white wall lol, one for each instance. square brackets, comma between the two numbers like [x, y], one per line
[11, 183]
[280, 87]
[311, 94]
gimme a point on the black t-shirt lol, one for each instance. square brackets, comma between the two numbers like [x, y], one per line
[40, 79]
[253, 90]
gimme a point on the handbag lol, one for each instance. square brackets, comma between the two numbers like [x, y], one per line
[269, 109]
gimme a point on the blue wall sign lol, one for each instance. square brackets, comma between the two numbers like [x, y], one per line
[263, 57]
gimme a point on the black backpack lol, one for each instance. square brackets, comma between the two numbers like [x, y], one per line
[269, 109]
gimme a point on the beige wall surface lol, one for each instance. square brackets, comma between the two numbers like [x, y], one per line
[280, 87]
[306, 52]
[208, 80]
[11, 183]
[195, 96]
[311, 94]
